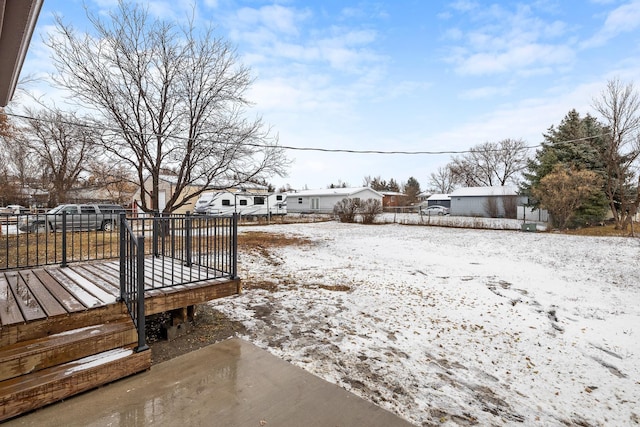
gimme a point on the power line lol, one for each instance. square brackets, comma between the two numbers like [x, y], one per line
[314, 149]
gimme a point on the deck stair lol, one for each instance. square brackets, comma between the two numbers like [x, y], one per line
[55, 358]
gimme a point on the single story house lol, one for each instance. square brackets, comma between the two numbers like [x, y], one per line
[423, 196]
[120, 194]
[488, 202]
[393, 199]
[439, 200]
[323, 200]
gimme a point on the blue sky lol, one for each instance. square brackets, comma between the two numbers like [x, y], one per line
[405, 75]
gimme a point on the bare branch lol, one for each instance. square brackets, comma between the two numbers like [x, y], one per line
[619, 105]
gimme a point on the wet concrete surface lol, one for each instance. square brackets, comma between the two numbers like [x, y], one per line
[232, 383]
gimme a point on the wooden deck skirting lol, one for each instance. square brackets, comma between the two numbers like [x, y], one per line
[44, 301]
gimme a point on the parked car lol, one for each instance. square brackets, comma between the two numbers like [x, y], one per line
[13, 210]
[434, 210]
[78, 218]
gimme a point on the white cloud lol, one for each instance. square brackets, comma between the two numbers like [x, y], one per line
[276, 18]
[501, 41]
[303, 94]
[485, 92]
[519, 58]
[527, 118]
[273, 33]
[464, 5]
[455, 34]
[625, 18]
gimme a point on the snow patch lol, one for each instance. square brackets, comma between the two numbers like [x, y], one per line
[455, 326]
[98, 360]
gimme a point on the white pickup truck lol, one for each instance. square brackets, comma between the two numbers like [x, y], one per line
[78, 218]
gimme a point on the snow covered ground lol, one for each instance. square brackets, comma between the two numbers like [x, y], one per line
[447, 326]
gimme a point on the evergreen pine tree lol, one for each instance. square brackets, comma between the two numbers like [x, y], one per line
[576, 143]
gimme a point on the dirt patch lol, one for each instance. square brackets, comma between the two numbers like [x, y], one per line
[608, 230]
[264, 239]
[209, 327]
[270, 286]
[337, 288]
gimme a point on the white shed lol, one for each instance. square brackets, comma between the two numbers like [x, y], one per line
[490, 202]
[323, 200]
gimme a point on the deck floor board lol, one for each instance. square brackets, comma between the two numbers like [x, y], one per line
[27, 302]
[104, 296]
[105, 271]
[63, 296]
[48, 302]
[83, 296]
[94, 276]
[9, 311]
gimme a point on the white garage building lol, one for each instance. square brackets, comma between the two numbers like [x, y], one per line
[496, 202]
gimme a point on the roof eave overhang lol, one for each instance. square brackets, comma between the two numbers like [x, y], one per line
[17, 22]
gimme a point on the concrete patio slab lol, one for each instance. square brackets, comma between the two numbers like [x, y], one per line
[232, 383]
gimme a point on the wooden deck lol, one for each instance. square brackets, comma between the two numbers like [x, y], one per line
[64, 330]
[40, 294]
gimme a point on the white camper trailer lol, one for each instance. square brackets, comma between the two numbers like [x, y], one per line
[224, 203]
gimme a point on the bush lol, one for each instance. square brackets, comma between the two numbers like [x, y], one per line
[510, 204]
[491, 207]
[346, 210]
[369, 210]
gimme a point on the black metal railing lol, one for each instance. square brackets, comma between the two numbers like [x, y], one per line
[185, 248]
[132, 276]
[188, 248]
[33, 240]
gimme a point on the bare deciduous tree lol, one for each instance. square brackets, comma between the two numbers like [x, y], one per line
[19, 162]
[490, 164]
[61, 146]
[175, 97]
[4, 167]
[619, 104]
[5, 125]
[491, 207]
[441, 181]
[117, 180]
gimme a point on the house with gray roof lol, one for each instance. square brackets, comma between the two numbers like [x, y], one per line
[323, 200]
